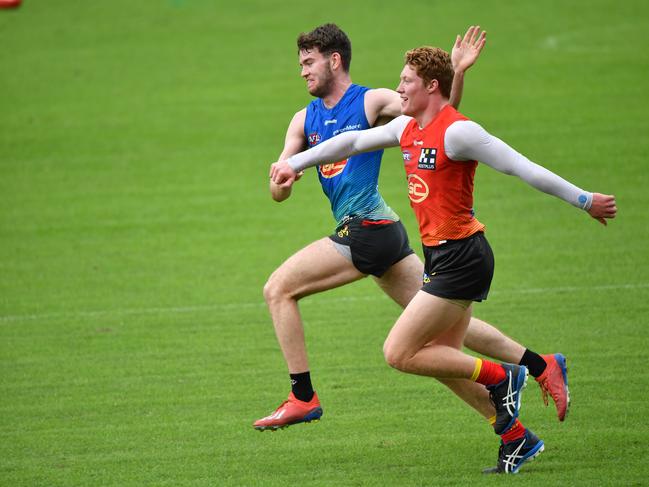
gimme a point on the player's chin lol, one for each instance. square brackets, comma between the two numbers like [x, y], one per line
[314, 91]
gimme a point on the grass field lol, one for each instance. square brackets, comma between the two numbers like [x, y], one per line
[136, 234]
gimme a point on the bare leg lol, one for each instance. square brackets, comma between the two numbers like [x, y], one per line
[426, 339]
[487, 340]
[317, 267]
[403, 280]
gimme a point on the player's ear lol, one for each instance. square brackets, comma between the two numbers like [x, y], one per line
[335, 60]
[432, 86]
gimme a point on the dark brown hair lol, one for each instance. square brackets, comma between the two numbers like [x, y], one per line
[328, 38]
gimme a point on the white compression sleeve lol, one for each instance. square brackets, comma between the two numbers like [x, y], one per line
[466, 140]
[349, 143]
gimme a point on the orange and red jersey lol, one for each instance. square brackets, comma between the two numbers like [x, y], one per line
[440, 189]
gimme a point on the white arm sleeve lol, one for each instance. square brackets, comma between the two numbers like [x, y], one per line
[466, 140]
[350, 143]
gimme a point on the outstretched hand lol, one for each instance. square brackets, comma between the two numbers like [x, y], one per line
[282, 174]
[467, 50]
[603, 207]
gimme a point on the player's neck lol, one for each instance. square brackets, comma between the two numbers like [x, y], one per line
[435, 106]
[338, 90]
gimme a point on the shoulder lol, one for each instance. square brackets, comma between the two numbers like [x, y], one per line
[300, 114]
[382, 105]
[464, 129]
[380, 97]
[297, 122]
[463, 137]
[399, 125]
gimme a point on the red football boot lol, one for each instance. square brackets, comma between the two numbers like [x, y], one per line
[291, 411]
[10, 3]
[554, 381]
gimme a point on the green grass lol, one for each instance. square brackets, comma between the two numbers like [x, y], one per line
[136, 234]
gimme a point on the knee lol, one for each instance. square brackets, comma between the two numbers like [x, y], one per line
[271, 290]
[275, 290]
[395, 356]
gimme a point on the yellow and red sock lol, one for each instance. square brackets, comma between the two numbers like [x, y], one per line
[516, 432]
[488, 373]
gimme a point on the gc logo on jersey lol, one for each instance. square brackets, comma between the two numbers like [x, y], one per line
[313, 138]
[427, 158]
[417, 188]
[328, 171]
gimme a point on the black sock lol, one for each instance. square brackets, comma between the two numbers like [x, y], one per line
[534, 362]
[301, 386]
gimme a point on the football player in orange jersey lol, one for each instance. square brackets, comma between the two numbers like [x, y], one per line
[377, 244]
[441, 148]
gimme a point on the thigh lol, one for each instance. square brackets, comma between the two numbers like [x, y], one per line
[317, 267]
[403, 280]
[427, 319]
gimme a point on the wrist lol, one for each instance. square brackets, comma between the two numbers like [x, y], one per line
[585, 200]
[293, 164]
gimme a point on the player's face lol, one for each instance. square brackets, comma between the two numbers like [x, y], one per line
[414, 95]
[317, 72]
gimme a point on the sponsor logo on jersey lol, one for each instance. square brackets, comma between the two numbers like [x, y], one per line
[327, 122]
[406, 155]
[417, 188]
[328, 171]
[427, 158]
[346, 128]
[314, 138]
[418, 142]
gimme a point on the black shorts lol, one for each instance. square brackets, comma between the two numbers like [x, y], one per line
[459, 269]
[374, 245]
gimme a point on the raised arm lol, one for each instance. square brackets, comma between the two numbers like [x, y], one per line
[464, 54]
[339, 147]
[467, 140]
[294, 142]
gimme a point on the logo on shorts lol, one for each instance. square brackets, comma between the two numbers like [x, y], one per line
[328, 171]
[314, 138]
[343, 232]
[427, 158]
[428, 277]
[417, 188]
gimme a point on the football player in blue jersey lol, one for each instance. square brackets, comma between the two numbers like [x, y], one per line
[369, 238]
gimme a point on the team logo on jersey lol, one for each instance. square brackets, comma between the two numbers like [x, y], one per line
[417, 188]
[427, 158]
[406, 155]
[314, 138]
[328, 171]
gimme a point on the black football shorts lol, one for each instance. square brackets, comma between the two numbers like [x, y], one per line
[374, 245]
[459, 269]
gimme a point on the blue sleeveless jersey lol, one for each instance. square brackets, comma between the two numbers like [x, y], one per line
[351, 185]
